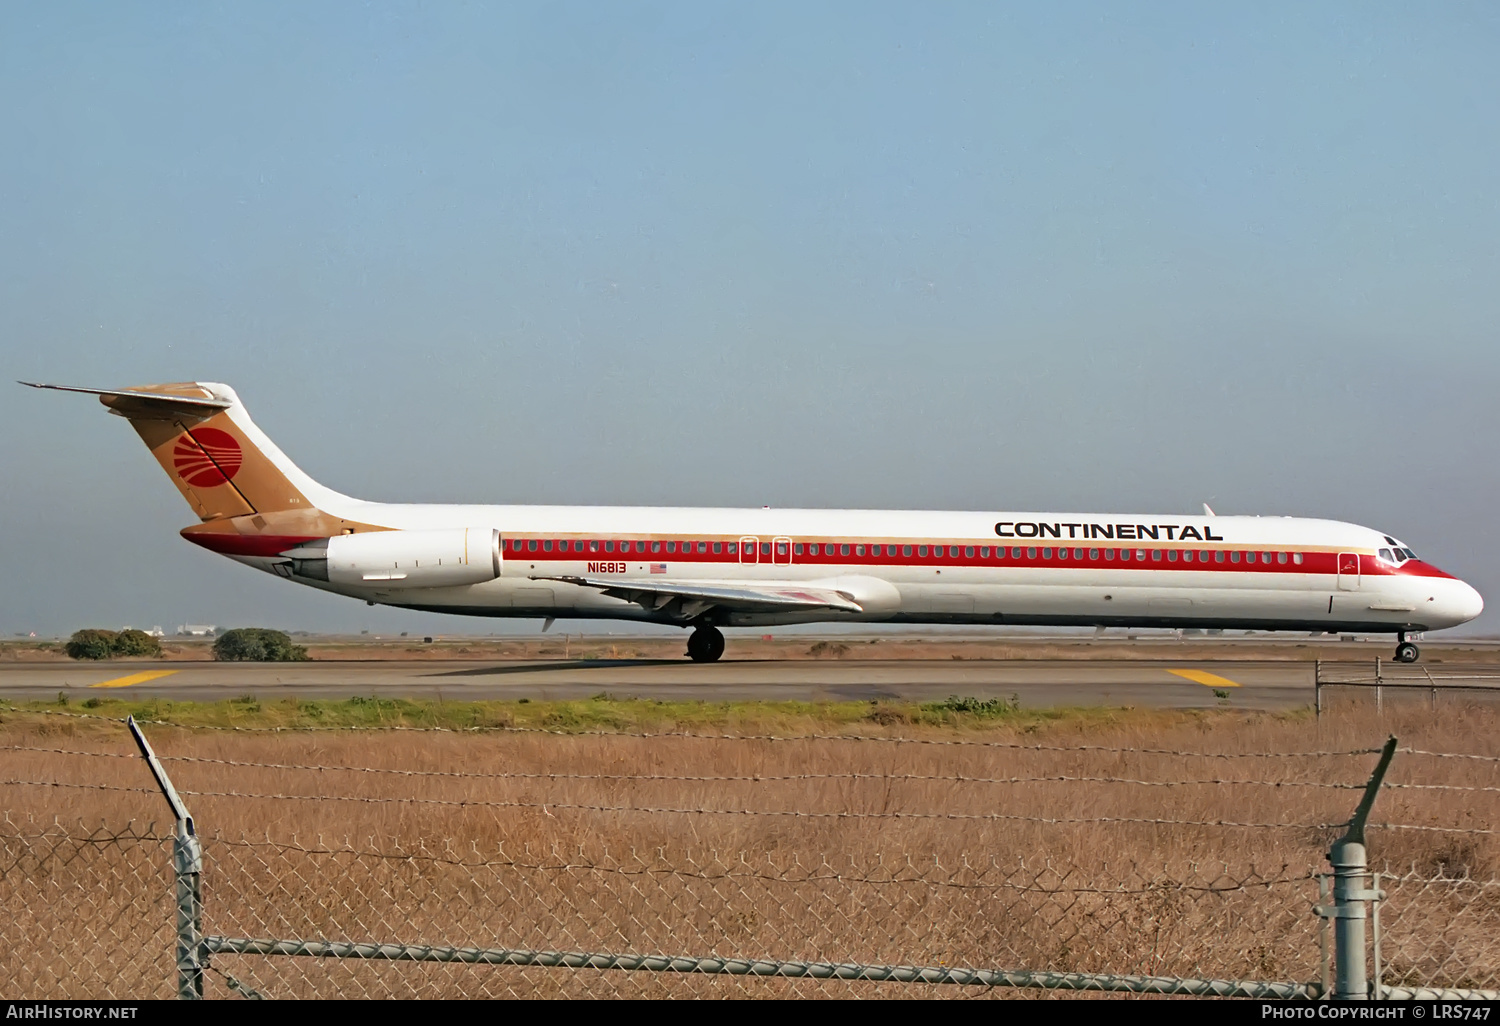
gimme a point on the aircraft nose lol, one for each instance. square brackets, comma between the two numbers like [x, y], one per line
[1460, 602]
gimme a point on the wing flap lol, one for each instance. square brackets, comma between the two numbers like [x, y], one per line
[698, 597]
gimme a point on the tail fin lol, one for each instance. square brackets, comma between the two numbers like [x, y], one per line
[201, 435]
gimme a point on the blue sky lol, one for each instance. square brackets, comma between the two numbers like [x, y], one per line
[1078, 256]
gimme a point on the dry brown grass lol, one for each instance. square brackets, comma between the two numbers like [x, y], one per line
[859, 883]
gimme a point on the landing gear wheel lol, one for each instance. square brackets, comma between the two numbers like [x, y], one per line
[705, 645]
[1406, 652]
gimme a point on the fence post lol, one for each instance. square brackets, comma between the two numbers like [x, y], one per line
[1317, 689]
[1379, 691]
[1351, 891]
[187, 868]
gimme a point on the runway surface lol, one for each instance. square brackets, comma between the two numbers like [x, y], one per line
[1038, 683]
[1179, 683]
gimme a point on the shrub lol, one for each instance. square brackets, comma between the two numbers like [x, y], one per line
[91, 644]
[257, 645]
[135, 643]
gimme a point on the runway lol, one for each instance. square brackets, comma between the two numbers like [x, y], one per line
[1270, 684]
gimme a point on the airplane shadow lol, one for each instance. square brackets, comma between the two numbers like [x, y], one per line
[567, 664]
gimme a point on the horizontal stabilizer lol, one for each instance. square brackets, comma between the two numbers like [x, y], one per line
[152, 405]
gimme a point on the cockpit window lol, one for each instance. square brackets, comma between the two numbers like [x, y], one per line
[1407, 554]
[1387, 555]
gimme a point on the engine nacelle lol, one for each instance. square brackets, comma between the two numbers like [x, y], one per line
[402, 559]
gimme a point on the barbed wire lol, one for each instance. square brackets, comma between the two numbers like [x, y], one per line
[747, 778]
[1449, 755]
[790, 813]
[653, 810]
[502, 729]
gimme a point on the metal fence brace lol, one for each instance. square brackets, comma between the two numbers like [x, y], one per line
[187, 868]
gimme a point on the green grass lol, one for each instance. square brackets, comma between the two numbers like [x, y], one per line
[601, 712]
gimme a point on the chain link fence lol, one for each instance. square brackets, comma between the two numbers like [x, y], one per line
[834, 882]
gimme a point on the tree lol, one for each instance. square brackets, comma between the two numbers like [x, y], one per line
[91, 644]
[257, 645]
[135, 643]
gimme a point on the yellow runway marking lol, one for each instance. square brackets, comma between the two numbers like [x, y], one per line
[1208, 680]
[134, 678]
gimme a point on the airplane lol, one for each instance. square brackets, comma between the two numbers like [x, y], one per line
[706, 569]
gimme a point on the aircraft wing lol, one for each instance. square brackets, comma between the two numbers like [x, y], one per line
[690, 599]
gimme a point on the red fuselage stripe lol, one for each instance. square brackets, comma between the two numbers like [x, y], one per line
[1031, 556]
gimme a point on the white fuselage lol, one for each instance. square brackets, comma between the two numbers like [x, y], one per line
[935, 567]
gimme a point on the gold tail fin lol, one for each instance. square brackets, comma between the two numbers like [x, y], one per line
[193, 434]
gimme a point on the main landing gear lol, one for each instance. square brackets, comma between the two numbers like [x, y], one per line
[705, 644]
[1406, 652]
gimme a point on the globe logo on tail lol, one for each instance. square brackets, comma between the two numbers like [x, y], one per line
[207, 457]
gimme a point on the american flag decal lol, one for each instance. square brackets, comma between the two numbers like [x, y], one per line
[658, 568]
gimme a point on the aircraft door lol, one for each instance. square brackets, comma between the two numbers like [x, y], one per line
[781, 551]
[1348, 571]
[749, 550]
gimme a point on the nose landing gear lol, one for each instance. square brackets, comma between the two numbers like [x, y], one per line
[1406, 652]
[705, 644]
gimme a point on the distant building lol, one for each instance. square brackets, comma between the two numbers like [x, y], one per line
[197, 630]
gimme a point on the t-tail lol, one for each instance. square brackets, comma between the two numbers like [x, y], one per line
[238, 482]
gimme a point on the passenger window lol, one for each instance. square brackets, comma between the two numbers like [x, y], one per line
[1031, 553]
[1015, 552]
[1109, 553]
[718, 547]
[1249, 557]
[1203, 557]
[765, 548]
[1218, 555]
[1281, 557]
[1156, 555]
[1093, 553]
[1234, 557]
[812, 550]
[733, 548]
[921, 550]
[1265, 557]
[671, 546]
[968, 552]
[656, 546]
[531, 544]
[1062, 553]
[1140, 554]
[984, 552]
[1125, 555]
[1171, 555]
[547, 545]
[1296, 557]
[874, 550]
[1187, 557]
[797, 549]
[906, 550]
[1047, 553]
[703, 547]
[859, 550]
[609, 546]
[593, 545]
